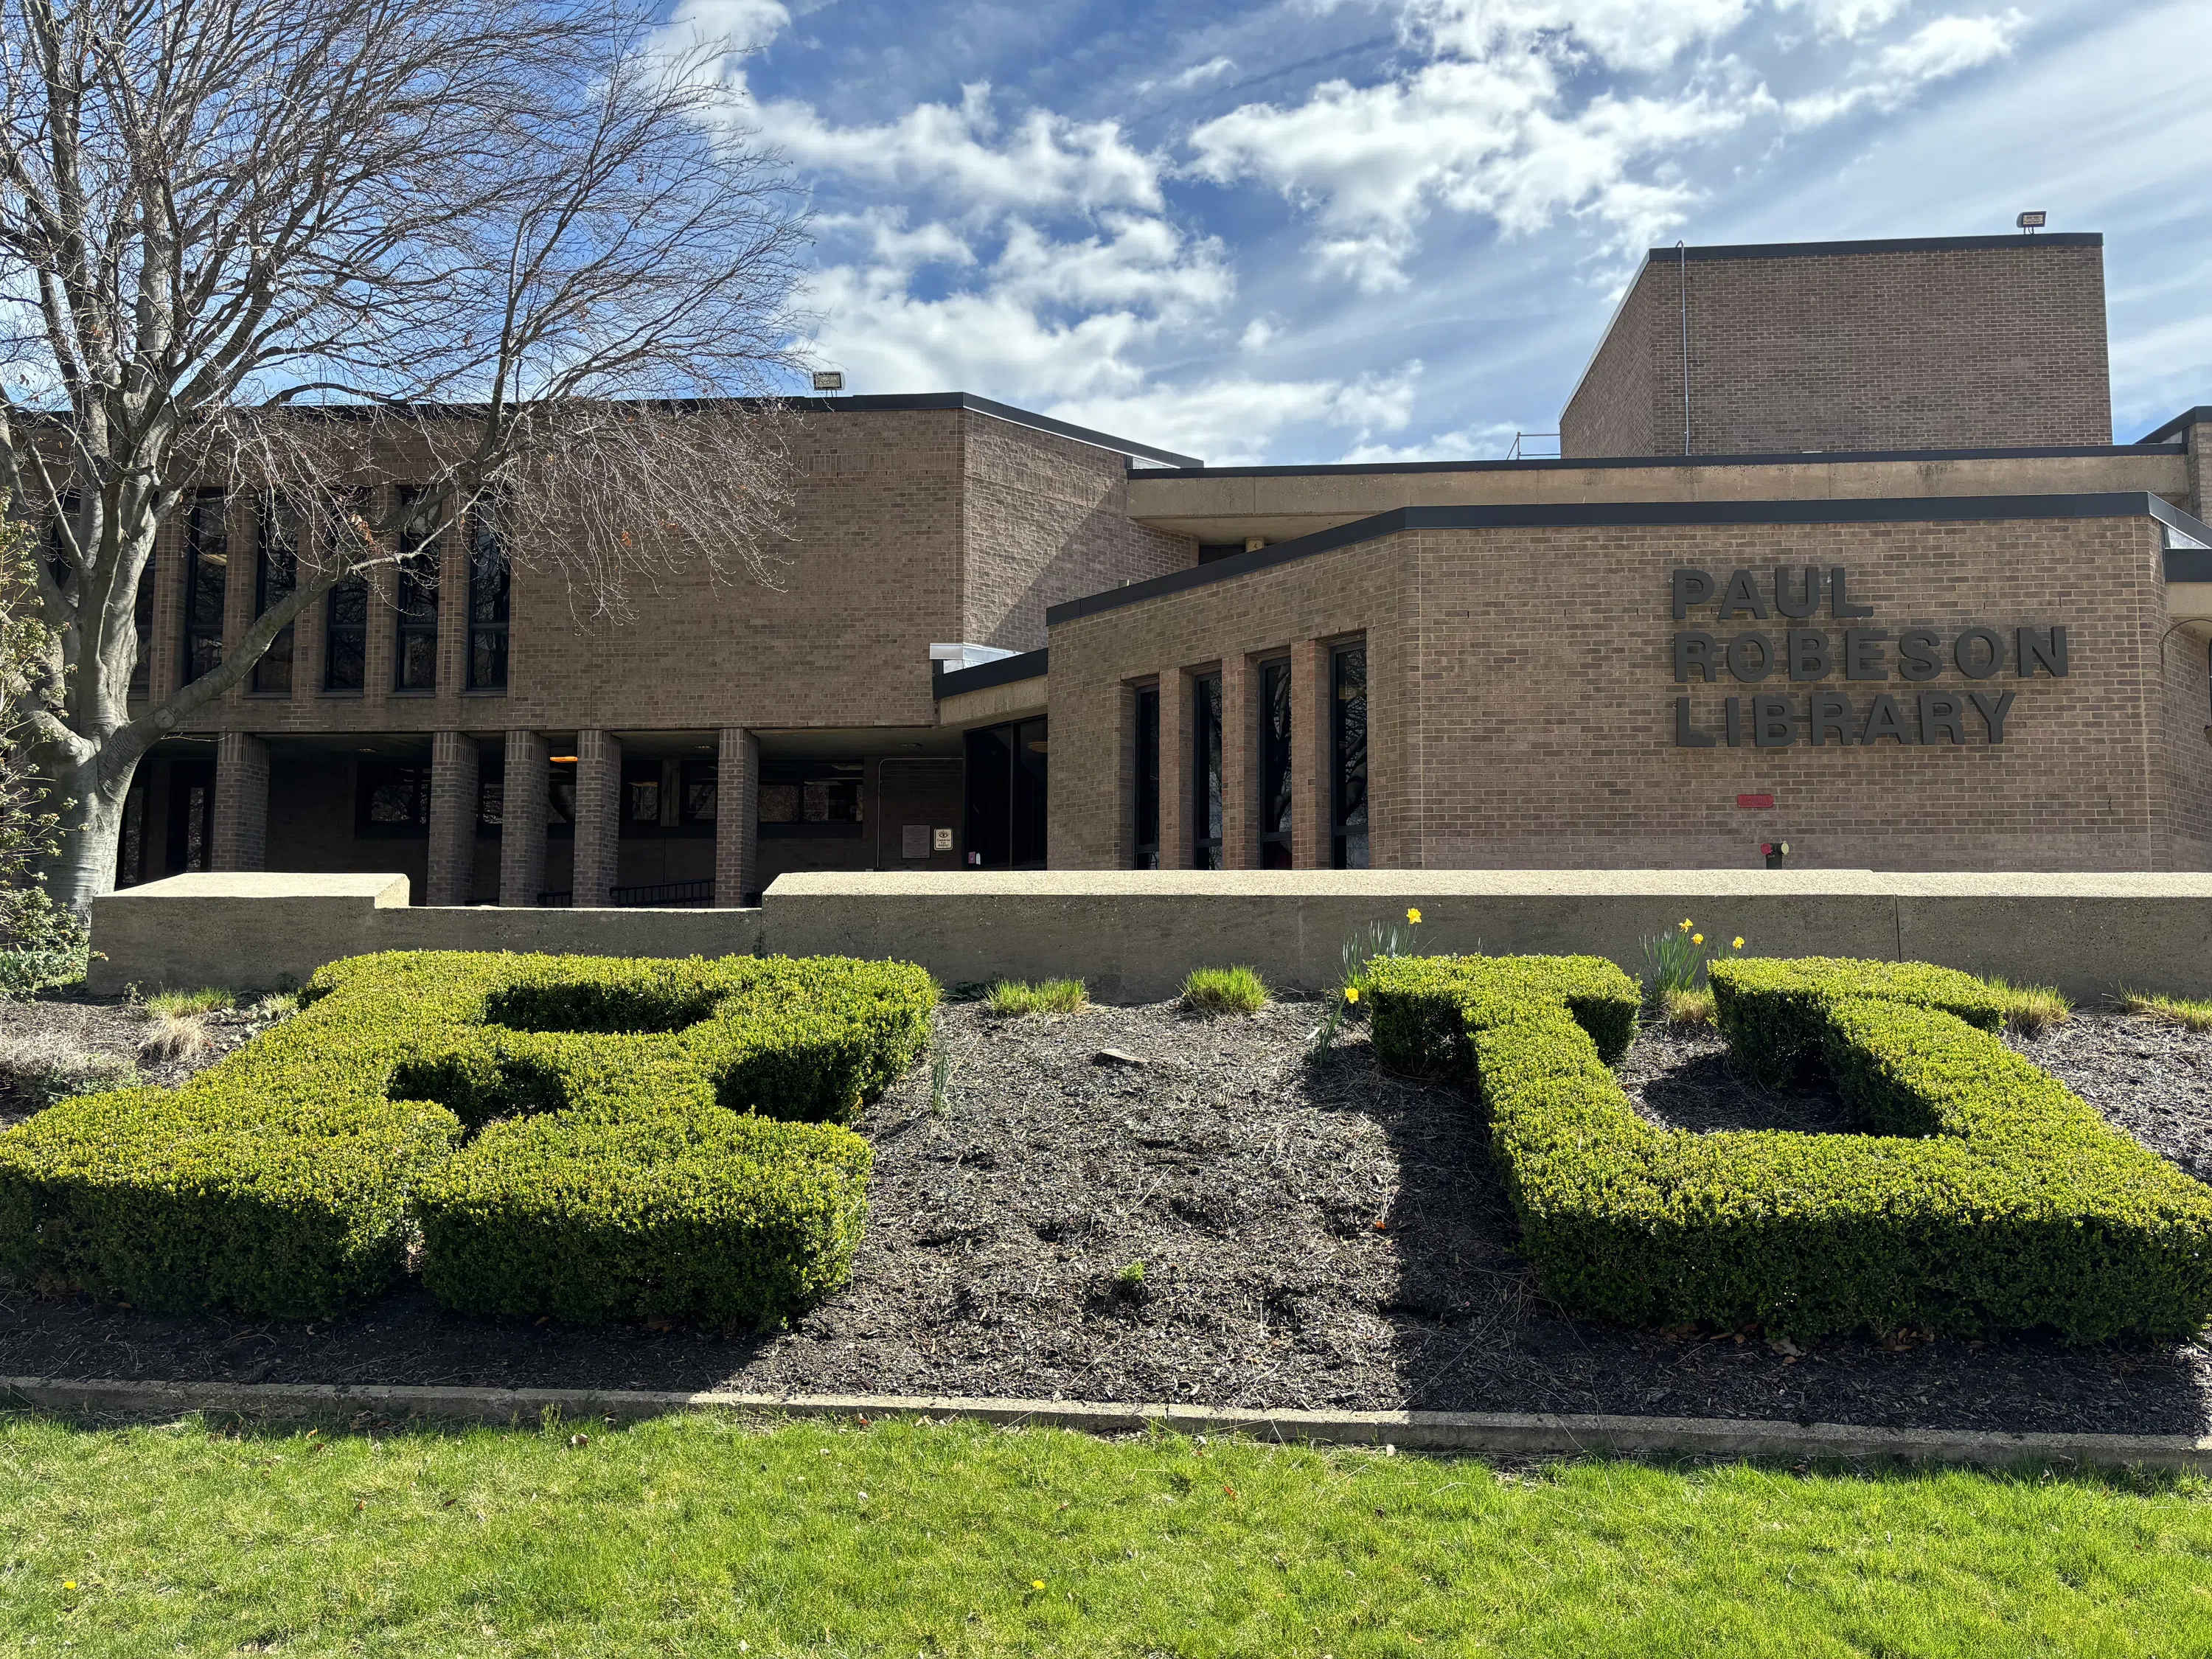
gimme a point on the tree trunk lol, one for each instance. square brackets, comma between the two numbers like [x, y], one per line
[90, 796]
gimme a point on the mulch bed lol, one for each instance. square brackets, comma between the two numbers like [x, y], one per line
[1324, 1235]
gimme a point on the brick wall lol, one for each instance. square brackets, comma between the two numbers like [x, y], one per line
[1948, 346]
[1522, 700]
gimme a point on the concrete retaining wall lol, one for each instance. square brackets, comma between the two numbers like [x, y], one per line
[1133, 935]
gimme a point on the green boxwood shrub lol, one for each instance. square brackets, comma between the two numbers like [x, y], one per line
[1989, 1198]
[662, 1137]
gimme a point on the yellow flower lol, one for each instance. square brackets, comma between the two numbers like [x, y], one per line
[69, 1584]
[1685, 924]
[1696, 938]
[1037, 1583]
[1351, 993]
[1738, 944]
[1414, 916]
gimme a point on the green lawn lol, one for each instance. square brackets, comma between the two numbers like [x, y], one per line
[702, 1535]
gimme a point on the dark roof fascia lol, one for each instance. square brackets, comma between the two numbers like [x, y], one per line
[1006, 671]
[1928, 509]
[2200, 416]
[900, 403]
[1786, 457]
[1887, 245]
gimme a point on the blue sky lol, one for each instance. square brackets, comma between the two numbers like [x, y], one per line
[1320, 230]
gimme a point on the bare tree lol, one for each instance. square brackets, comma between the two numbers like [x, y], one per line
[510, 254]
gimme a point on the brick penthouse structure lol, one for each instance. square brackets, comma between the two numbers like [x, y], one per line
[1890, 595]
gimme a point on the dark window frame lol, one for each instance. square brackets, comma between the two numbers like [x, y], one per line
[1145, 711]
[1274, 741]
[417, 601]
[491, 614]
[276, 578]
[207, 553]
[1206, 802]
[372, 777]
[1015, 755]
[1349, 825]
[345, 598]
[781, 772]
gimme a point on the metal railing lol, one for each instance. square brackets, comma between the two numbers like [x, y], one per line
[1529, 446]
[666, 895]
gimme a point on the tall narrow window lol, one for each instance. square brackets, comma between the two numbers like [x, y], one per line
[1205, 772]
[1148, 777]
[1275, 766]
[141, 621]
[1347, 811]
[207, 569]
[345, 614]
[1005, 795]
[490, 591]
[275, 578]
[415, 647]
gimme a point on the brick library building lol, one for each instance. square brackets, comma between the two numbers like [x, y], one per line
[1838, 552]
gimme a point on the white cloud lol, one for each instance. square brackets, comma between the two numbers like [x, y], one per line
[744, 24]
[1259, 334]
[1231, 421]
[1196, 76]
[1946, 46]
[1470, 443]
[1847, 20]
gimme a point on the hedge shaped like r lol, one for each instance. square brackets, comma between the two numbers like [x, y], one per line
[1986, 1197]
[650, 1138]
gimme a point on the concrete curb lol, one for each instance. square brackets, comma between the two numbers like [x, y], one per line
[1498, 1432]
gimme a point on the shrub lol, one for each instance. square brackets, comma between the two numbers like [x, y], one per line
[1010, 999]
[172, 1037]
[288, 1180]
[1212, 991]
[1989, 1198]
[2191, 1016]
[47, 946]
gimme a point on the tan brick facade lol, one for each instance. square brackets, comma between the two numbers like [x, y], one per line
[1945, 343]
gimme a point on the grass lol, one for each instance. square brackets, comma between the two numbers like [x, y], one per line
[47, 1066]
[1686, 1007]
[695, 1535]
[1010, 997]
[2190, 1014]
[172, 1036]
[2031, 1008]
[1212, 991]
[206, 1000]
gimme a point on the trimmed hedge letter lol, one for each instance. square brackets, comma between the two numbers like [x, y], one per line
[649, 1138]
[1984, 1196]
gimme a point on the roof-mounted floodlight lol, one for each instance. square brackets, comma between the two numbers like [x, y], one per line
[2029, 223]
[829, 380]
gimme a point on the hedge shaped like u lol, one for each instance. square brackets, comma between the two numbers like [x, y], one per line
[1987, 1197]
[657, 1137]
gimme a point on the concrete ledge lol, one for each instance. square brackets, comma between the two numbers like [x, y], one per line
[1508, 1433]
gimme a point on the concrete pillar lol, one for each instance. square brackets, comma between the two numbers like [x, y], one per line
[599, 817]
[522, 819]
[1240, 764]
[453, 819]
[241, 803]
[1174, 770]
[737, 818]
[1309, 755]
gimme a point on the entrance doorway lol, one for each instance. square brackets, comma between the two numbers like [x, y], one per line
[1005, 796]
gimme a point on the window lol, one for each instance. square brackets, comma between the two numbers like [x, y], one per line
[1347, 809]
[191, 816]
[1275, 766]
[142, 618]
[801, 798]
[391, 801]
[676, 798]
[206, 563]
[345, 620]
[414, 644]
[491, 583]
[1205, 772]
[1004, 789]
[1148, 777]
[560, 799]
[701, 782]
[276, 577]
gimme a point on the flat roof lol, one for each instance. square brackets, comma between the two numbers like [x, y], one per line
[899, 402]
[1934, 509]
[2153, 445]
[1883, 245]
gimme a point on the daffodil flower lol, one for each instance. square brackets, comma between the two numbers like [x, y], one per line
[1738, 944]
[1685, 924]
[1351, 993]
[1414, 916]
[1696, 938]
[1037, 1583]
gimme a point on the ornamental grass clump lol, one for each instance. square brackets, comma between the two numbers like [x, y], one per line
[1011, 998]
[1214, 991]
[1675, 963]
[2189, 1014]
[208, 999]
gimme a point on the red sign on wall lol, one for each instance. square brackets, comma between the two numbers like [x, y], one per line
[1754, 800]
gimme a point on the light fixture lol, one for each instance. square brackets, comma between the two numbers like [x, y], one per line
[829, 380]
[561, 760]
[2030, 223]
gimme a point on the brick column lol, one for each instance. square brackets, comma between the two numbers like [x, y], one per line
[1174, 770]
[522, 819]
[599, 817]
[241, 803]
[737, 818]
[1309, 755]
[2198, 436]
[453, 819]
[1240, 764]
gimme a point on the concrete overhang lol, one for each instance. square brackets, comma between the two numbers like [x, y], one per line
[1233, 504]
